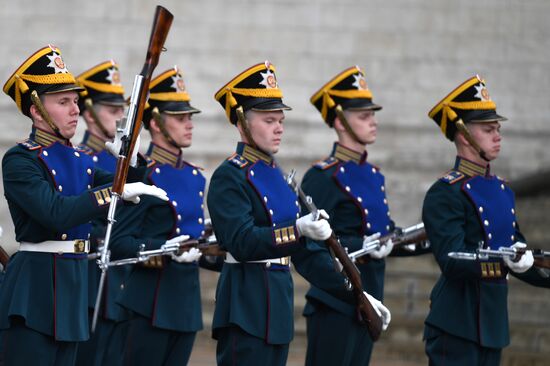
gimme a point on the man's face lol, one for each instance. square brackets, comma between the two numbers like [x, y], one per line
[266, 129]
[364, 124]
[108, 115]
[63, 109]
[487, 135]
[180, 128]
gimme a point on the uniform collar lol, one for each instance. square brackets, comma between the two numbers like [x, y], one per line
[345, 154]
[253, 155]
[46, 138]
[94, 142]
[470, 168]
[162, 155]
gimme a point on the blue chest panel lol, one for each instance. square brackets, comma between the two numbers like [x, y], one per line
[72, 172]
[364, 184]
[105, 161]
[495, 206]
[185, 188]
[279, 201]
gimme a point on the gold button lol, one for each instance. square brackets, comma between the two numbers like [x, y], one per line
[64, 236]
[382, 188]
[480, 209]
[486, 222]
[174, 203]
[342, 169]
[95, 159]
[157, 170]
[89, 186]
[348, 188]
[468, 185]
[359, 199]
[489, 236]
[271, 212]
[76, 154]
[53, 172]
[252, 172]
[373, 170]
[178, 230]
[45, 153]
[179, 217]
[200, 220]
[89, 171]
[60, 188]
[201, 193]
[265, 199]
[368, 225]
[195, 172]
[366, 211]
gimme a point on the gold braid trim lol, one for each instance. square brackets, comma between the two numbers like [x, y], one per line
[448, 114]
[328, 102]
[102, 87]
[231, 102]
[21, 87]
[170, 96]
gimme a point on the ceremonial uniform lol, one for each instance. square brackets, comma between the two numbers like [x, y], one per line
[162, 294]
[465, 209]
[48, 185]
[352, 191]
[254, 213]
[102, 90]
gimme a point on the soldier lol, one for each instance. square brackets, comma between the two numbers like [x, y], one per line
[256, 219]
[466, 208]
[101, 104]
[53, 191]
[352, 191]
[163, 293]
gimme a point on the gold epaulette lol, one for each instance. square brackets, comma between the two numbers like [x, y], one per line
[326, 163]
[29, 144]
[284, 235]
[452, 176]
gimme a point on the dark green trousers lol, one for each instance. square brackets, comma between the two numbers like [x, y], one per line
[444, 349]
[150, 346]
[236, 347]
[336, 339]
[23, 346]
[105, 346]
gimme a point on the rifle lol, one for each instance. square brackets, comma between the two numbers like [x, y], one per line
[365, 311]
[161, 25]
[409, 235]
[208, 246]
[541, 257]
[4, 257]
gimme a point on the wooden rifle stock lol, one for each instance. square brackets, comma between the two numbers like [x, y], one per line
[365, 311]
[4, 257]
[161, 26]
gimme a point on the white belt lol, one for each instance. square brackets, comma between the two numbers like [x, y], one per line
[56, 246]
[285, 261]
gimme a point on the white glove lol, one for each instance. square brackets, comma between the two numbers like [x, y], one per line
[114, 149]
[381, 310]
[383, 251]
[525, 262]
[191, 255]
[132, 191]
[368, 239]
[314, 229]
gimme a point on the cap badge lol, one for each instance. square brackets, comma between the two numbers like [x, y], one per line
[269, 80]
[179, 84]
[482, 92]
[56, 62]
[114, 76]
[360, 82]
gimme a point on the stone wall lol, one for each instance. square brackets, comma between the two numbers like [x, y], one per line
[413, 52]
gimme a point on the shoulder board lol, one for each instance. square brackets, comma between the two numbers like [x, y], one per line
[29, 144]
[326, 163]
[85, 149]
[452, 176]
[150, 162]
[237, 160]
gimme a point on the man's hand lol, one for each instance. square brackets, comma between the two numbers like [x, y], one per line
[384, 250]
[524, 263]
[187, 257]
[314, 229]
[381, 310]
[114, 149]
[132, 191]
